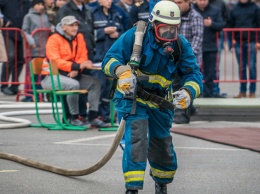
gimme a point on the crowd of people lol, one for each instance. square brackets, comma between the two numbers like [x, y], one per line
[102, 22]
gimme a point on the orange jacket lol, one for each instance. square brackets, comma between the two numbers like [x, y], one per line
[68, 55]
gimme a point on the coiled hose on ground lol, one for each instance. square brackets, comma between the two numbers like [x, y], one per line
[69, 172]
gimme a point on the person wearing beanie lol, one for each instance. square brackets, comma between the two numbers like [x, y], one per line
[34, 2]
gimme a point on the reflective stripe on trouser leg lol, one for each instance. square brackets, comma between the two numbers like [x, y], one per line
[136, 145]
[161, 154]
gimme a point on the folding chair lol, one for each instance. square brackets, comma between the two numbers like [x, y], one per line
[55, 95]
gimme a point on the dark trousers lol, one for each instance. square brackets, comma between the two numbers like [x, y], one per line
[104, 106]
[15, 63]
[209, 66]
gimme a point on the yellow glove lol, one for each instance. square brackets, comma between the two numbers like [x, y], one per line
[181, 99]
[127, 82]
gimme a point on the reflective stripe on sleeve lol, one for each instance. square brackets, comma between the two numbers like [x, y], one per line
[108, 65]
[195, 86]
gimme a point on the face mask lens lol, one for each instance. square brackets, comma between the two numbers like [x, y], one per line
[166, 32]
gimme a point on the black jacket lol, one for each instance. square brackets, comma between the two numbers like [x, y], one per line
[210, 33]
[14, 12]
[86, 24]
[245, 15]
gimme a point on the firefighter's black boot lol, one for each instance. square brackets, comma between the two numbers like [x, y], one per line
[160, 188]
[131, 192]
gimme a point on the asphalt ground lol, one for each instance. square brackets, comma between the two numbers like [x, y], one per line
[204, 167]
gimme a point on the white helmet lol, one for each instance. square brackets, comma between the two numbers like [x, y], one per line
[166, 12]
[166, 18]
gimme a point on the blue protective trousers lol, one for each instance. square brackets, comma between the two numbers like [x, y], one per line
[147, 136]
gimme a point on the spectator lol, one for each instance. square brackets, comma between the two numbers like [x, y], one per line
[108, 27]
[213, 24]
[52, 7]
[51, 12]
[68, 49]
[82, 12]
[35, 19]
[246, 15]
[139, 11]
[14, 12]
[123, 14]
[191, 28]
[220, 4]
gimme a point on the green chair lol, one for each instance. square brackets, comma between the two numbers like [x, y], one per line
[55, 97]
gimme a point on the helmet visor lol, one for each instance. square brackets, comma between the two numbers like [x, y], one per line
[166, 32]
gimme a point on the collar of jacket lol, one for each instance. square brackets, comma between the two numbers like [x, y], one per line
[75, 7]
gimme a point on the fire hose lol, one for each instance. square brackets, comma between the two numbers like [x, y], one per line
[70, 172]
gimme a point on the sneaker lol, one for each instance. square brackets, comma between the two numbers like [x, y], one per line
[83, 120]
[99, 124]
[76, 122]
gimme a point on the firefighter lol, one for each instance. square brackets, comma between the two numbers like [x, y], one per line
[147, 129]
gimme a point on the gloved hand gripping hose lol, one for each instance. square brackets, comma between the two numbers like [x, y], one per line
[71, 172]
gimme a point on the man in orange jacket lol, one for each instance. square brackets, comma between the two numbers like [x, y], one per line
[67, 48]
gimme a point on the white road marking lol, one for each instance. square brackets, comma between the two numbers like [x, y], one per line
[79, 142]
[86, 139]
[9, 171]
[200, 148]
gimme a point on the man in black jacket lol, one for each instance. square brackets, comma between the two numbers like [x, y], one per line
[213, 23]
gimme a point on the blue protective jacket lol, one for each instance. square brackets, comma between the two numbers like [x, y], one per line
[159, 67]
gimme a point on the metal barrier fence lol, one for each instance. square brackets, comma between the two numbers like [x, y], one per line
[229, 68]
[239, 60]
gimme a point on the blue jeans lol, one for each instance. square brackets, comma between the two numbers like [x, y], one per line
[244, 60]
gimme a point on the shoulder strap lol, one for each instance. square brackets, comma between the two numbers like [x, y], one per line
[177, 51]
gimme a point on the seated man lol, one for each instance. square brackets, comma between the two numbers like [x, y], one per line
[68, 49]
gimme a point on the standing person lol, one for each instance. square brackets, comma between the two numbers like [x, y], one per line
[213, 24]
[191, 28]
[108, 27]
[14, 12]
[68, 49]
[245, 15]
[158, 66]
[50, 12]
[35, 19]
[139, 11]
[224, 13]
[51, 8]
